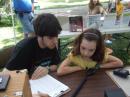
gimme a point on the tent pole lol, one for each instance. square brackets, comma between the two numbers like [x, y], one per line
[12, 16]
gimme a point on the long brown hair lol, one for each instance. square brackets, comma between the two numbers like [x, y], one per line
[92, 5]
[91, 35]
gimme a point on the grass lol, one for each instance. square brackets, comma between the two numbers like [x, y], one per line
[5, 21]
[119, 47]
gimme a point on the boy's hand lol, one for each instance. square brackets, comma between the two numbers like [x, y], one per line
[39, 72]
[53, 68]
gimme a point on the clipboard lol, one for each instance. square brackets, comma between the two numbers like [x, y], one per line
[49, 85]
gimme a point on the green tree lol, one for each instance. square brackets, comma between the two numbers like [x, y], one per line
[2, 2]
[5, 4]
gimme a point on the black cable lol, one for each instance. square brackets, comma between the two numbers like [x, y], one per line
[80, 86]
[89, 72]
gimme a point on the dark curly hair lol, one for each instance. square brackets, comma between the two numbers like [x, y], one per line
[46, 24]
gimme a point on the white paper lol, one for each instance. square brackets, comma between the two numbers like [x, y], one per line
[121, 82]
[49, 85]
[102, 18]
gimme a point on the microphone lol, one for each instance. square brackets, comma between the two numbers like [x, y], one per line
[89, 72]
[92, 71]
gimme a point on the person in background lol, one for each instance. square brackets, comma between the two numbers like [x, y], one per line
[111, 6]
[24, 11]
[128, 7]
[95, 13]
[95, 7]
[39, 54]
[119, 11]
[88, 50]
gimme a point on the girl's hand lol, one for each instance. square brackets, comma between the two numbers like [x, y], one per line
[39, 72]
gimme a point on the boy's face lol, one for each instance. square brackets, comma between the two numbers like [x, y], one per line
[47, 41]
[87, 48]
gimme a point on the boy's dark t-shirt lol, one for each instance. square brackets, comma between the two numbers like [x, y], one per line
[28, 55]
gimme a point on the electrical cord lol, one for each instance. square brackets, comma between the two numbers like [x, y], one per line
[89, 72]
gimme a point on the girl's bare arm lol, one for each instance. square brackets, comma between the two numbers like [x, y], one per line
[112, 62]
[65, 68]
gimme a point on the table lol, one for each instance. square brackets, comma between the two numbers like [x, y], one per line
[108, 26]
[19, 82]
[94, 87]
[103, 31]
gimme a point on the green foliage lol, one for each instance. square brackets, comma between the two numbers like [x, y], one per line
[119, 46]
[2, 2]
[6, 21]
[5, 4]
[65, 46]
[123, 55]
[1, 69]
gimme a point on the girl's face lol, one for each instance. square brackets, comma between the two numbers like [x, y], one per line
[47, 41]
[87, 48]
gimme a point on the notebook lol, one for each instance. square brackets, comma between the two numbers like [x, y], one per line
[49, 85]
[123, 83]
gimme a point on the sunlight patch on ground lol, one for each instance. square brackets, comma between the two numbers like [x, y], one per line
[51, 4]
[7, 36]
[45, 4]
[6, 33]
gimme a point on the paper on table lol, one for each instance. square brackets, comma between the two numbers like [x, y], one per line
[102, 18]
[49, 85]
[121, 82]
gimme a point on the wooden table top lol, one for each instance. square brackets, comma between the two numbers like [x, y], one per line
[94, 86]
